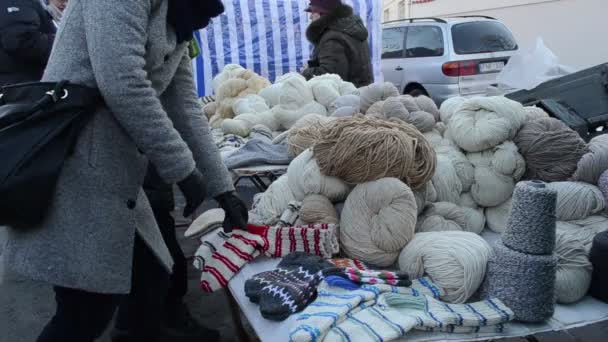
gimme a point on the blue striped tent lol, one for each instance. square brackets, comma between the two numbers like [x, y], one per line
[269, 37]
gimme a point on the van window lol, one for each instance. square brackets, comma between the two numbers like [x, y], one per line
[424, 41]
[482, 37]
[392, 42]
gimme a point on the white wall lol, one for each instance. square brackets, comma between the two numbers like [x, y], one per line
[575, 30]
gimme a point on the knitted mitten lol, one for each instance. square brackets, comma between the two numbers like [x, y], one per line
[370, 276]
[352, 263]
[221, 255]
[318, 239]
[287, 289]
[334, 303]
[396, 314]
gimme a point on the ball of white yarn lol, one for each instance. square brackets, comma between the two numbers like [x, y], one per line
[424, 195]
[242, 124]
[475, 219]
[295, 93]
[573, 276]
[347, 88]
[250, 104]
[229, 71]
[376, 92]
[272, 94]
[449, 107]
[271, 204]
[433, 137]
[376, 110]
[455, 261]
[585, 229]
[377, 221]
[410, 103]
[325, 92]
[351, 102]
[305, 178]
[577, 200]
[441, 217]
[426, 104]
[287, 118]
[445, 181]
[463, 167]
[483, 123]
[441, 128]
[497, 216]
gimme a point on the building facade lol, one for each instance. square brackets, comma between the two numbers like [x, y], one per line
[575, 30]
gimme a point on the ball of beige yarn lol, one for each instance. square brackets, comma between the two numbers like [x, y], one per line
[533, 113]
[410, 103]
[376, 92]
[426, 104]
[425, 122]
[376, 110]
[441, 217]
[573, 274]
[425, 195]
[463, 167]
[304, 134]
[584, 229]
[595, 162]
[577, 200]
[318, 209]
[210, 108]
[378, 220]
[394, 108]
[552, 150]
[455, 261]
[482, 123]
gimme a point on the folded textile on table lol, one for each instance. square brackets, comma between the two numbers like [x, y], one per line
[221, 255]
[371, 277]
[230, 140]
[317, 239]
[396, 314]
[333, 304]
[287, 289]
[258, 152]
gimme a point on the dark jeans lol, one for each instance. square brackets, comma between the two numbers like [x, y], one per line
[83, 316]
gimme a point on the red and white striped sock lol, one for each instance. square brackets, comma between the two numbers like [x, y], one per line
[314, 239]
[222, 255]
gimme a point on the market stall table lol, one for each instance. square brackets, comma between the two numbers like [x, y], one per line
[261, 175]
[585, 312]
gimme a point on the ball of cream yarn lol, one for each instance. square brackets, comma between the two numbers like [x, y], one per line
[573, 276]
[318, 209]
[449, 107]
[595, 162]
[577, 200]
[445, 181]
[474, 216]
[305, 178]
[441, 217]
[377, 221]
[455, 261]
[426, 104]
[305, 133]
[482, 123]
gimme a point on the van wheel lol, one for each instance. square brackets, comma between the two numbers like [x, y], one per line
[416, 91]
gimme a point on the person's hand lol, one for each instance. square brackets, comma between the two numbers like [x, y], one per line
[236, 211]
[193, 188]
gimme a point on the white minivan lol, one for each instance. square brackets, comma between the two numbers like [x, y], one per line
[445, 57]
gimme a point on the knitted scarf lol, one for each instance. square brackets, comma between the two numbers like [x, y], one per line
[187, 16]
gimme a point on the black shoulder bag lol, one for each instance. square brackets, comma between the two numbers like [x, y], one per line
[39, 125]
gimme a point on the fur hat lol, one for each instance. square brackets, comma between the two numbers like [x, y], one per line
[323, 6]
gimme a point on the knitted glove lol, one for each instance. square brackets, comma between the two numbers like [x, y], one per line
[194, 189]
[236, 211]
[287, 289]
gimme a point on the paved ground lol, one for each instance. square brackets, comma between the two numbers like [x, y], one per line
[25, 306]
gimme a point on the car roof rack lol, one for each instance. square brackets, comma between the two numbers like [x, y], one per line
[474, 16]
[411, 20]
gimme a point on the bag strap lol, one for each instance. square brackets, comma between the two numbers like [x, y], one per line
[53, 96]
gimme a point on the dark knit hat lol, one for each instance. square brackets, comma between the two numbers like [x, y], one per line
[323, 6]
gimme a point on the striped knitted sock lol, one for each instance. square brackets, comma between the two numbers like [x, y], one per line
[317, 239]
[222, 255]
[370, 276]
[396, 314]
[333, 304]
[352, 263]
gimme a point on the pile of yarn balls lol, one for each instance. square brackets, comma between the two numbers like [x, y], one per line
[414, 184]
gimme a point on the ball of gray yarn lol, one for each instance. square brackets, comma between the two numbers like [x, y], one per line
[531, 222]
[602, 183]
[551, 149]
[524, 282]
[574, 269]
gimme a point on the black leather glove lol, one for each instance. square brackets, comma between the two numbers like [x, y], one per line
[236, 211]
[194, 190]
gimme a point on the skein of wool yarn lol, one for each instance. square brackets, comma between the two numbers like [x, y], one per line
[425, 195]
[602, 183]
[485, 122]
[305, 178]
[475, 219]
[531, 222]
[376, 110]
[304, 134]
[585, 229]
[524, 282]
[449, 107]
[573, 276]
[377, 221]
[376, 92]
[463, 167]
[288, 117]
[577, 200]
[426, 104]
[551, 149]
[363, 149]
[441, 127]
[209, 109]
[598, 257]
[455, 261]
[591, 165]
[270, 205]
[497, 217]
[318, 209]
[345, 105]
[445, 181]
[533, 113]
[410, 103]
[441, 217]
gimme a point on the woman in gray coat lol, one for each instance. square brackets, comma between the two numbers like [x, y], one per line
[100, 240]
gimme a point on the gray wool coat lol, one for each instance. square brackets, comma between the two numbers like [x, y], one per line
[151, 112]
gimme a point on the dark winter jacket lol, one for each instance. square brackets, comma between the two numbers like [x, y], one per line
[26, 38]
[340, 41]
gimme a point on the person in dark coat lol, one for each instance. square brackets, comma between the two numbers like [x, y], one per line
[340, 43]
[26, 38]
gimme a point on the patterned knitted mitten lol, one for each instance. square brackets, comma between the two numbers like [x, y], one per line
[369, 276]
[352, 263]
[318, 239]
[221, 255]
[287, 289]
